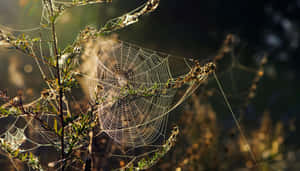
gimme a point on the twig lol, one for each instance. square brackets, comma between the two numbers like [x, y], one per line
[89, 160]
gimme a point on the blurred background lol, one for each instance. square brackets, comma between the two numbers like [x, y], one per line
[197, 29]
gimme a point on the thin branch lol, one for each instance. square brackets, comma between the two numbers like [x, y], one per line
[55, 50]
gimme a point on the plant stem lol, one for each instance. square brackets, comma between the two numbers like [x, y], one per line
[59, 83]
[89, 160]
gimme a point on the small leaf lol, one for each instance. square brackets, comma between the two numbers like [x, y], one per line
[16, 153]
[24, 157]
[30, 156]
[36, 39]
[59, 132]
[55, 125]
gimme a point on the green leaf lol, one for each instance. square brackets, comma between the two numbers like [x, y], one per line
[24, 157]
[55, 125]
[30, 156]
[60, 131]
[36, 39]
[16, 153]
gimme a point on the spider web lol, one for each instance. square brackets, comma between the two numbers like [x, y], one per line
[130, 114]
[21, 138]
[24, 133]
